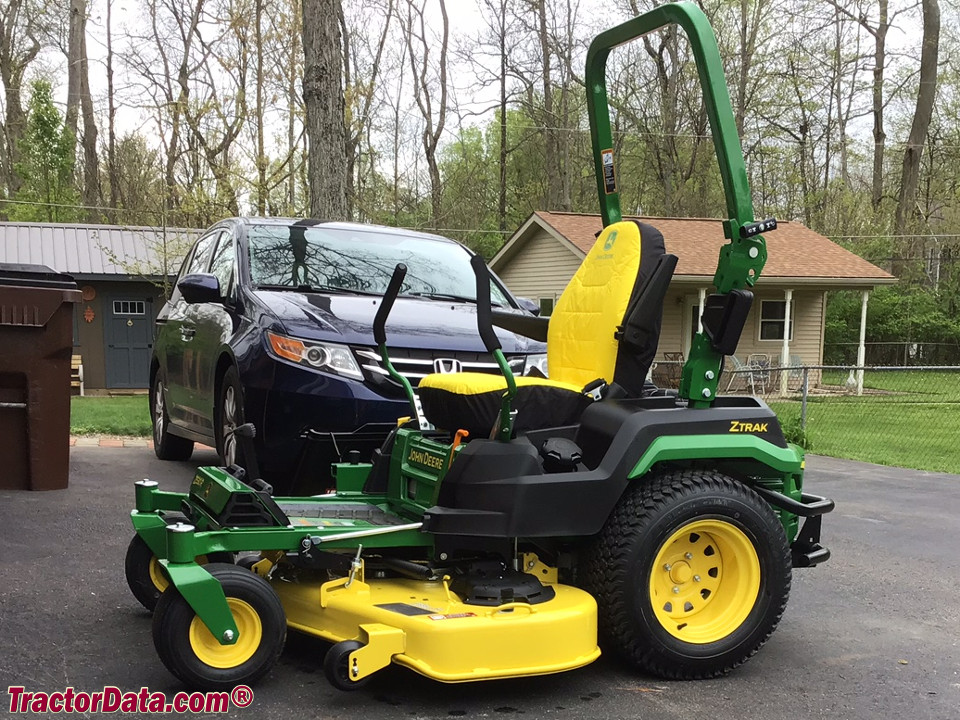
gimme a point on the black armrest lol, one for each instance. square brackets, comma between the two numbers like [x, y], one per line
[529, 326]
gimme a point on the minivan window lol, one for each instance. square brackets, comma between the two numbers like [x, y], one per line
[360, 261]
[201, 256]
[222, 264]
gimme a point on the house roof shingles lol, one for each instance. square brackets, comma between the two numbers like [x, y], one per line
[793, 250]
[86, 249]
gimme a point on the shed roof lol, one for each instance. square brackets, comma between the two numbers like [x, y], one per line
[94, 249]
[796, 252]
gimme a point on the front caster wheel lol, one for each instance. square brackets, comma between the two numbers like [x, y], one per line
[691, 574]
[145, 576]
[196, 657]
[336, 666]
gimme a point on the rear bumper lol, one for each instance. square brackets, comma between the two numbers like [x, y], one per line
[806, 550]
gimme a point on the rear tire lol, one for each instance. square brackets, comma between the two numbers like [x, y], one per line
[194, 656]
[691, 574]
[165, 445]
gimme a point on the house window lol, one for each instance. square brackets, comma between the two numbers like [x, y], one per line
[546, 306]
[773, 313]
[129, 307]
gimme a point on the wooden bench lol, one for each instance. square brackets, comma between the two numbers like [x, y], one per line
[76, 375]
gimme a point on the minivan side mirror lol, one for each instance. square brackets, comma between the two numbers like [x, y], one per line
[199, 288]
[529, 305]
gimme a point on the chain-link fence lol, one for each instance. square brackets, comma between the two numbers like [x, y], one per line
[904, 416]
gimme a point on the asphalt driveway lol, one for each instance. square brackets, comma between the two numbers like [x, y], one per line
[874, 633]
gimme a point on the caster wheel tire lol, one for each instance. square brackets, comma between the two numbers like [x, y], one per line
[145, 576]
[165, 445]
[691, 574]
[193, 655]
[248, 561]
[336, 666]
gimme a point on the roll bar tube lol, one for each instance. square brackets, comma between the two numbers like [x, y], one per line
[742, 259]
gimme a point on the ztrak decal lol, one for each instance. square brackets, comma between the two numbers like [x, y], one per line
[737, 426]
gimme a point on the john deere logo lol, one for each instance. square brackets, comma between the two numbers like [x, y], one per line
[611, 239]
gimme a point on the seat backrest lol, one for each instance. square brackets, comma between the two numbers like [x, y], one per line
[582, 343]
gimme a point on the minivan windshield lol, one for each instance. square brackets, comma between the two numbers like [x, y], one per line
[362, 261]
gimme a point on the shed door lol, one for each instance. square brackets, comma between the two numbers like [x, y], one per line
[128, 335]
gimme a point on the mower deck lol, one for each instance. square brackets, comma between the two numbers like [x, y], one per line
[424, 626]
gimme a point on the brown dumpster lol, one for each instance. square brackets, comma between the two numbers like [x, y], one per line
[36, 343]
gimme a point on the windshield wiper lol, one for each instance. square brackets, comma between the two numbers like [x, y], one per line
[317, 289]
[446, 296]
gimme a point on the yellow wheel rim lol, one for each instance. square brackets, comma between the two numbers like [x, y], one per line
[705, 581]
[157, 577]
[212, 653]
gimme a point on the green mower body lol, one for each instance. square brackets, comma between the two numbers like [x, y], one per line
[663, 527]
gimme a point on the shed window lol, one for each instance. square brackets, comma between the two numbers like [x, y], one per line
[773, 314]
[129, 307]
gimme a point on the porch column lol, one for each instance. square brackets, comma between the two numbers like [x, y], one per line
[703, 301]
[862, 349]
[785, 352]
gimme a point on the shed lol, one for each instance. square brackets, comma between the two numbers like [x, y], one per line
[121, 273]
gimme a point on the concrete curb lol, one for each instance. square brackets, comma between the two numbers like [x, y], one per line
[114, 441]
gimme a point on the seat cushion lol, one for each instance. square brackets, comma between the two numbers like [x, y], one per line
[471, 401]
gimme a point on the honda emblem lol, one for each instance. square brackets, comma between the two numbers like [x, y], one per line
[445, 366]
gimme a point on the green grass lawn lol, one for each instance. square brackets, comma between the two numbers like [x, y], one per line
[122, 415]
[913, 420]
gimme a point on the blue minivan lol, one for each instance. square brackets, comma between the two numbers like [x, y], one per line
[271, 323]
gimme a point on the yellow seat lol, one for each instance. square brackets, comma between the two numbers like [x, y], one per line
[583, 343]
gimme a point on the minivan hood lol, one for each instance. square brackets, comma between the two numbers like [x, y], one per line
[413, 322]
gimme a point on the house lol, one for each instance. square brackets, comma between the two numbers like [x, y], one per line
[540, 258]
[120, 272]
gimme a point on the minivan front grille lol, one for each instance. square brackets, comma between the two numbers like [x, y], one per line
[417, 364]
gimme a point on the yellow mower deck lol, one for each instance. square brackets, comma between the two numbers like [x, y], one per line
[424, 626]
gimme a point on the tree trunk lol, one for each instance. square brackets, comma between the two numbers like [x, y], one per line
[502, 194]
[259, 80]
[18, 48]
[78, 20]
[927, 93]
[551, 146]
[91, 163]
[112, 171]
[323, 100]
[291, 115]
[879, 136]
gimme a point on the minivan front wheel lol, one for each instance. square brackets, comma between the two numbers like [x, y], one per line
[229, 417]
[165, 445]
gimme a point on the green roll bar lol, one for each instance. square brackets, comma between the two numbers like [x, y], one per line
[742, 259]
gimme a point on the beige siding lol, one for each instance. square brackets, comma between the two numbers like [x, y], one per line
[541, 269]
[807, 332]
[808, 316]
[671, 331]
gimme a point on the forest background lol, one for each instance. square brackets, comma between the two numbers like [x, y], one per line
[464, 116]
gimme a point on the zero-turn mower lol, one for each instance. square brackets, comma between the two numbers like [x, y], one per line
[512, 523]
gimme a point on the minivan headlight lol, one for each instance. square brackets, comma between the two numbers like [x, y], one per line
[320, 356]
